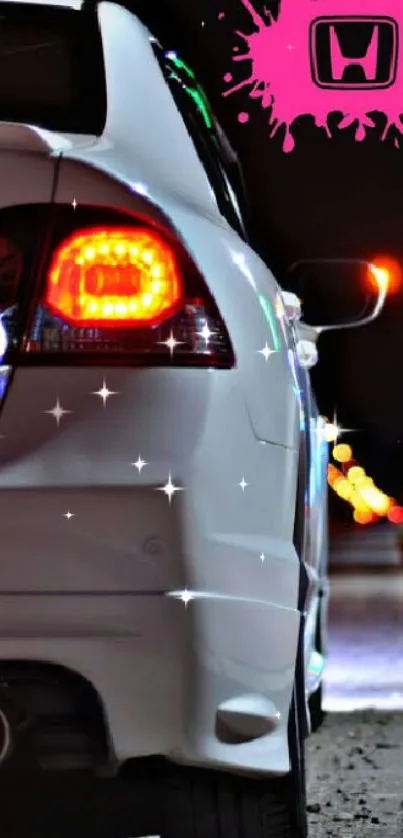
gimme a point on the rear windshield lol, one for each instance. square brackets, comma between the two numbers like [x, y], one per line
[51, 68]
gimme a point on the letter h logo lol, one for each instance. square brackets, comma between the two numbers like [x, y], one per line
[354, 53]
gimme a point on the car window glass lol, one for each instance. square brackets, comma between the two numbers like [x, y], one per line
[45, 76]
[218, 160]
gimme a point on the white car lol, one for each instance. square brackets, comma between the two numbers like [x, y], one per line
[162, 461]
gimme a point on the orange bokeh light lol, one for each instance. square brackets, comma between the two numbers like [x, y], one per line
[362, 517]
[342, 453]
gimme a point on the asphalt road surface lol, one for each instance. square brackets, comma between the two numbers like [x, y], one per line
[365, 666]
[355, 777]
[355, 763]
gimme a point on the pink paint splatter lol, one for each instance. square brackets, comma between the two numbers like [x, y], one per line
[243, 117]
[281, 76]
[228, 77]
[221, 16]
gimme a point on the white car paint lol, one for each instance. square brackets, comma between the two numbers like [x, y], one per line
[92, 593]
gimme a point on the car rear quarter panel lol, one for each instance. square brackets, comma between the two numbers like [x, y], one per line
[244, 289]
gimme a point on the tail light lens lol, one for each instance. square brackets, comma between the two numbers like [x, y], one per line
[98, 288]
[115, 276]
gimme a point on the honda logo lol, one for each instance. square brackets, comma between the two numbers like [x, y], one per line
[354, 53]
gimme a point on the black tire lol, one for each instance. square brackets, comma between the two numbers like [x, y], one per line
[154, 797]
[316, 699]
[315, 709]
[297, 776]
[197, 803]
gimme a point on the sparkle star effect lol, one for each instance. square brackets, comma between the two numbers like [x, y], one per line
[185, 596]
[266, 352]
[243, 484]
[57, 412]
[205, 333]
[332, 431]
[68, 515]
[169, 489]
[139, 464]
[104, 393]
[74, 203]
[171, 343]
[262, 557]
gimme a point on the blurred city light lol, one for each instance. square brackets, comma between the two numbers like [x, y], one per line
[395, 514]
[342, 453]
[352, 484]
[361, 517]
[356, 474]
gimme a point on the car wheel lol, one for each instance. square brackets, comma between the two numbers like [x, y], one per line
[315, 709]
[198, 803]
[316, 699]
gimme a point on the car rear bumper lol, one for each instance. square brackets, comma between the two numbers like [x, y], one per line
[163, 670]
[99, 593]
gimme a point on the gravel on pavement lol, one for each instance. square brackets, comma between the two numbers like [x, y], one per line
[355, 776]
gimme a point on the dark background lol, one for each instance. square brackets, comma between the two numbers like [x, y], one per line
[330, 198]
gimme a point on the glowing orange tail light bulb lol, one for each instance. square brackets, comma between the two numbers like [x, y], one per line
[114, 276]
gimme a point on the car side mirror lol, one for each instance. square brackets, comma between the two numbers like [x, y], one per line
[339, 293]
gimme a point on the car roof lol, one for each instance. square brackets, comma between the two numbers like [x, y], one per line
[73, 4]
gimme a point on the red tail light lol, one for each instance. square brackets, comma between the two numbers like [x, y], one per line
[96, 286]
[114, 277]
